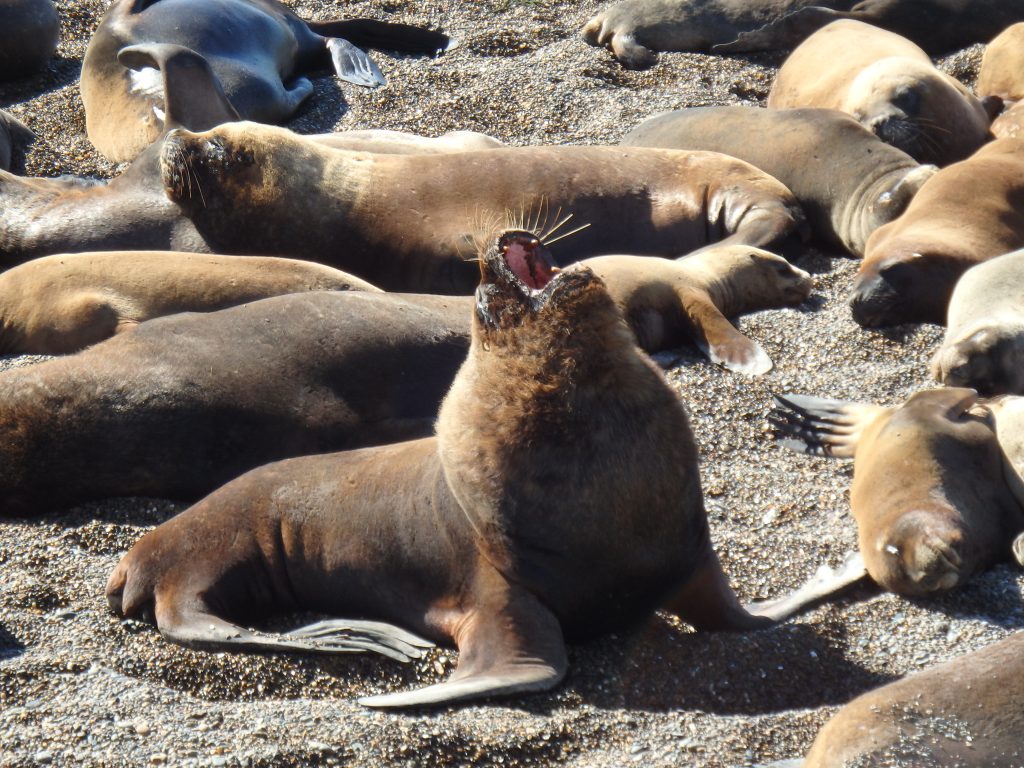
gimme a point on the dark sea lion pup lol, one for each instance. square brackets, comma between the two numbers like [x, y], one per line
[561, 497]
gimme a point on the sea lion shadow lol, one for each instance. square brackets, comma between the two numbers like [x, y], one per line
[663, 667]
[323, 110]
[59, 73]
[10, 645]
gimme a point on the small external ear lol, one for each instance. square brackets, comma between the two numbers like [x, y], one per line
[993, 106]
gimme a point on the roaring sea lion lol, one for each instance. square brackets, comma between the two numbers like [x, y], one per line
[965, 712]
[560, 498]
[635, 30]
[408, 222]
[12, 132]
[61, 304]
[258, 51]
[889, 85]
[29, 33]
[984, 343]
[965, 214]
[845, 178]
[938, 26]
[936, 491]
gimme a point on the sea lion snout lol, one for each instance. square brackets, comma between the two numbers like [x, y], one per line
[922, 553]
[187, 160]
[874, 301]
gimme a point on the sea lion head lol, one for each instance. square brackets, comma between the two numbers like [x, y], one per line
[928, 492]
[905, 282]
[989, 358]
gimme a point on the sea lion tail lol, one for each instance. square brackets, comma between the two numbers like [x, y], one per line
[385, 36]
[818, 426]
[785, 33]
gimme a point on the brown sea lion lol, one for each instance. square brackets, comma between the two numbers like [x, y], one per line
[60, 304]
[1002, 67]
[938, 26]
[936, 494]
[845, 178]
[560, 498]
[966, 712]
[408, 222]
[984, 343]
[12, 132]
[404, 143]
[258, 51]
[965, 214]
[29, 33]
[889, 85]
[635, 30]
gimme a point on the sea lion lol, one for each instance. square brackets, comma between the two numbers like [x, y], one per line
[560, 498]
[936, 495]
[968, 711]
[405, 143]
[61, 304]
[965, 214]
[12, 132]
[1009, 124]
[408, 222]
[29, 33]
[1002, 66]
[938, 26]
[845, 178]
[258, 51]
[635, 30]
[984, 343]
[889, 85]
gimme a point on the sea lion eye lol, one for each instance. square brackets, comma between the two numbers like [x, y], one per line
[906, 99]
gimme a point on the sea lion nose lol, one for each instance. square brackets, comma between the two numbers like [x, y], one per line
[868, 301]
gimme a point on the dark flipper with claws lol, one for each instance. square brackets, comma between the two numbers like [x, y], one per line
[818, 426]
[784, 34]
[385, 36]
[825, 584]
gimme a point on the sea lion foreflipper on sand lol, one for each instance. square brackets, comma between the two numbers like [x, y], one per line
[826, 584]
[783, 33]
[353, 65]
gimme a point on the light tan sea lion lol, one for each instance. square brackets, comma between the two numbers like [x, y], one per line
[29, 33]
[404, 143]
[1002, 67]
[1010, 123]
[965, 214]
[560, 497]
[889, 85]
[63, 303]
[966, 712]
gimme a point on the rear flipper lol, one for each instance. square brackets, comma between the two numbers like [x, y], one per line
[826, 583]
[353, 65]
[785, 33]
[820, 427]
[385, 36]
[508, 643]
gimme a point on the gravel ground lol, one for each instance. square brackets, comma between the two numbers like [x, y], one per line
[77, 686]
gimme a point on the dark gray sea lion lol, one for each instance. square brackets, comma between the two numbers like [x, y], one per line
[12, 132]
[560, 498]
[409, 222]
[965, 214]
[938, 26]
[966, 712]
[29, 33]
[845, 178]
[60, 304]
[889, 85]
[258, 51]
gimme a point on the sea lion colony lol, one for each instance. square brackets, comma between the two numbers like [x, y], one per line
[650, 300]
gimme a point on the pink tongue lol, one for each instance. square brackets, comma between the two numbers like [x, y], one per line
[522, 260]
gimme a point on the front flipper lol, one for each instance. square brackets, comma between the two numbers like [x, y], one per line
[820, 427]
[509, 642]
[353, 65]
[784, 34]
[385, 35]
[826, 583]
[721, 342]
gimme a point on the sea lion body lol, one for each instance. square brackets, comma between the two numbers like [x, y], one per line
[404, 143]
[1002, 67]
[967, 711]
[29, 33]
[63, 303]
[965, 214]
[889, 85]
[12, 131]
[560, 497]
[845, 178]
[408, 222]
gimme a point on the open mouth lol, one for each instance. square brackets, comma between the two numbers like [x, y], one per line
[517, 274]
[528, 260]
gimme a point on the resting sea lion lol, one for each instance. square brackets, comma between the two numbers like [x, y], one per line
[968, 712]
[636, 29]
[965, 214]
[408, 222]
[560, 497]
[847, 181]
[938, 26]
[404, 143]
[257, 50]
[1002, 67]
[887, 83]
[29, 33]
[12, 131]
[60, 304]
[936, 483]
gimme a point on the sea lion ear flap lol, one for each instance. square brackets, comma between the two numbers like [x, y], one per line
[993, 106]
[785, 33]
[193, 96]
[896, 200]
[821, 427]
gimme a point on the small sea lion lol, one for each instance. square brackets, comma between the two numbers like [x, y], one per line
[29, 33]
[245, 187]
[968, 711]
[938, 26]
[936, 494]
[845, 178]
[560, 499]
[635, 30]
[965, 214]
[258, 51]
[63, 303]
[1002, 67]
[12, 132]
[984, 343]
[889, 85]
